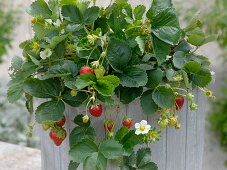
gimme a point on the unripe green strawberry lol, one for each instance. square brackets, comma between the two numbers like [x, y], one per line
[110, 134]
[45, 126]
[189, 97]
[73, 93]
[85, 118]
[193, 106]
[172, 120]
[163, 122]
[99, 72]
[178, 126]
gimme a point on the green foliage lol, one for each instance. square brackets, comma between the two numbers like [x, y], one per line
[95, 54]
[141, 161]
[214, 18]
[8, 19]
[218, 118]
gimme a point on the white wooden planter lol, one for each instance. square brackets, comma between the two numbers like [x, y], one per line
[177, 150]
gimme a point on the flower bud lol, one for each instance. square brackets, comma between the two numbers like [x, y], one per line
[193, 106]
[33, 20]
[189, 97]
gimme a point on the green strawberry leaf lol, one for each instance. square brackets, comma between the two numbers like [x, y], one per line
[111, 149]
[121, 133]
[161, 49]
[42, 88]
[54, 7]
[140, 43]
[163, 97]
[118, 54]
[85, 80]
[192, 67]
[147, 103]
[128, 94]
[90, 15]
[80, 133]
[179, 59]
[143, 157]
[40, 30]
[201, 78]
[73, 165]
[39, 8]
[50, 111]
[107, 100]
[62, 69]
[139, 11]
[154, 78]
[71, 13]
[131, 139]
[165, 26]
[133, 77]
[104, 87]
[112, 79]
[95, 161]
[80, 151]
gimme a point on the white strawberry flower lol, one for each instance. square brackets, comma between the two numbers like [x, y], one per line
[46, 53]
[142, 127]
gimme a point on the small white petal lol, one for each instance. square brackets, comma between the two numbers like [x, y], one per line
[148, 127]
[137, 132]
[143, 122]
[145, 131]
[137, 125]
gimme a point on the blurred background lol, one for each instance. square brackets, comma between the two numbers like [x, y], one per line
[15, 27]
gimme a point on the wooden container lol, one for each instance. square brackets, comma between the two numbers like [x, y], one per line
[177, 150]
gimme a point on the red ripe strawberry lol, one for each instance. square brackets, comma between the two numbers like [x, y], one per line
[127, 122]
[179, 102]
[61, 122]
[109, 125]
[86, 69]
[96, 110]
[58, 136]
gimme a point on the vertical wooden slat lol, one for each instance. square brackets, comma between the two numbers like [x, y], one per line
[158, 148]
[176, 141]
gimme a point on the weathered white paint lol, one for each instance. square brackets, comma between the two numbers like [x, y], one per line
[177, 150]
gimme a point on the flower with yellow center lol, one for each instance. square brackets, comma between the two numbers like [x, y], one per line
[142, 127]
[46, 53]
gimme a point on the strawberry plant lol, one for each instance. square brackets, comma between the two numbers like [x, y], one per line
[98, 57]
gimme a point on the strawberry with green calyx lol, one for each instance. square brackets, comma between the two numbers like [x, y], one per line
[86, 69]
[73, 93]
[163, 121]
[61, 122]
[127, 122]
[179, 102]
[108, 125]
[58, 135]
[96, 110]
[172, 120]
